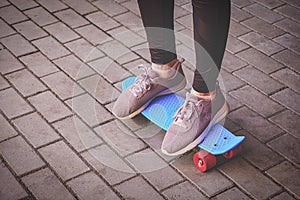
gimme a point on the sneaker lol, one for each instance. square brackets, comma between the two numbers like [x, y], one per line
[193, 121]
[147, 86]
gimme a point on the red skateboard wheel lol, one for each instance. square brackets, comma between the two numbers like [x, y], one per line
[233, 152]
[204, 160]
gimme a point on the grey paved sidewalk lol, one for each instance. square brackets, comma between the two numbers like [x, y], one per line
[62, 63]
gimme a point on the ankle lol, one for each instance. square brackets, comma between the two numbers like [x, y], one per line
[166, 70]
[207, 95]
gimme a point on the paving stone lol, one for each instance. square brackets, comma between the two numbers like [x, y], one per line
[180, 12]
[236, 29]
[100, 89]
[111, 8]
[234, 45]
[255, 124]
[263, 13]
[287, 175]
[12, 15]
[44, 185]
[250, 179]
[114, 49]
[26, 83]
[102, 21]
[74, 67]
[62, 85]
[71, 18]
[3, 83]
[185, 36]
[289, 78]
[61, 32]
[5, 29]
[231, 194]
[258, 153]
[186, 21]
[7, 130]
[10, 188]
[17, 45]
[126, 36]
[90, 186]
[133, 66]
[261, 43]
[230, 82]
[12, 104]
[49, 106]
[290, 12]
[53, 5]
[137, 188]
[120, 138]
[130, 20]
[4, 3]
[79, 135]
[93, 34]
[288, 121]
[210, 182]
[108, 164]
[109, 69]
[40, 16]
[181, 2]
[50, 47]
[291, 102]
[61, 157]
[29, 30]
[293, 2]
[84, 50]
[242, 3]
[289, 42]
[260, 60]
[262, 27]
[8, 63]
[183, 190]
[288, 146]
[143, 51]
[89, 110]
[24, 4]
[132, 6]
[288, 58]
[36, 130]
[239, 14]
[154, 169]
[271, 4]
[39, 64]
[136, 123]
[290, 26]
[188, 7]
[81, 6]
[233, 102]
[256, 101]
[231, 62]
[283, 195]
[20, 156]
[258, 80]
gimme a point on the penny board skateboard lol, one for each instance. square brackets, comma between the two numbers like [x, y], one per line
[219, 140]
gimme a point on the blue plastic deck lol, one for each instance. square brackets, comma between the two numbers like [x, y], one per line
[162, 109]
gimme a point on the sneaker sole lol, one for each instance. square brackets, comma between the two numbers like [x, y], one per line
[221, 114]
[177, 88]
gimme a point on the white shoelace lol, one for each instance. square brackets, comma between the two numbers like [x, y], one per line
[143, 83]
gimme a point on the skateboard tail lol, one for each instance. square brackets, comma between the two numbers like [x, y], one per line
[220, 140]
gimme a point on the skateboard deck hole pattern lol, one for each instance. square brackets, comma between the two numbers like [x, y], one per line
[219, 141]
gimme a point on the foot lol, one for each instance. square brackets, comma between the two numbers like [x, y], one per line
[193, 121]
[147, 86]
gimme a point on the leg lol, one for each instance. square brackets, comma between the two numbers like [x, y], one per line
[211, 24]
[205, 106]
[165, 75]
[158, 20]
